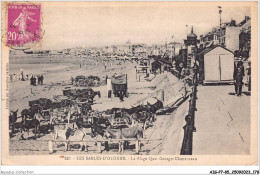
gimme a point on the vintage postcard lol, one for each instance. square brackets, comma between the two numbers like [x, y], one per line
[129, 83]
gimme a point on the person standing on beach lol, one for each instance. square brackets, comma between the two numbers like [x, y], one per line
[35, 80]
[106, 78]
[72, 80]
[39, 80]
[22, 78]
[42, 79]
[121, 96]
[31, 80]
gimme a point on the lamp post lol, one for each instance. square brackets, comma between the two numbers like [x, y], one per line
[166, 47]
[220, 30]
[173, 53]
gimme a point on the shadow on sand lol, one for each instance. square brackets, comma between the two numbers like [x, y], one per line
[217, 84]
[245, 93]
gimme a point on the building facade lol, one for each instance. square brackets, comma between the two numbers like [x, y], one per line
[191, 45]
[233, 36]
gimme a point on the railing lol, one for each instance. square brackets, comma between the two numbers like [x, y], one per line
[51, 148]
[189, 128]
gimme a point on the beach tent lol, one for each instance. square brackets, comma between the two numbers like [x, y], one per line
[216, 65]
[119, 83]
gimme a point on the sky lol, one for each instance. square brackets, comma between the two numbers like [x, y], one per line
[67, 26]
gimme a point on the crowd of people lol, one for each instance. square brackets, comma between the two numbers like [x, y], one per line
[20, 77]
[34, 80]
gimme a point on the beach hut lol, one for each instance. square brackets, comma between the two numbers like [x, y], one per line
[216, 65]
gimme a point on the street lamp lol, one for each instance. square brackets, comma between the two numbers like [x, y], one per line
[173, 37]
[220, 30]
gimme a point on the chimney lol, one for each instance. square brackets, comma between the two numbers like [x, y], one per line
[247, 18]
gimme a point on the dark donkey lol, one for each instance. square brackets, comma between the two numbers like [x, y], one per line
[12, 119]
[97, 93]
[92, 96]
[96, 130]
[28, 124]
[143, 117]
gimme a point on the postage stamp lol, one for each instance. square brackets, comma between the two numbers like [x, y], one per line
[24, 24]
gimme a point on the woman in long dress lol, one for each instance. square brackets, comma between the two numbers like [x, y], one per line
[24, 36]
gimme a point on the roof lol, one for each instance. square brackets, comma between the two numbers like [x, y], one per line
[162, 61]
[244, 21]
[206, 50]
[119, 79]
[192, 35]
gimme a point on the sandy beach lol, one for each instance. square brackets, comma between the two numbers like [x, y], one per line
[57, 77]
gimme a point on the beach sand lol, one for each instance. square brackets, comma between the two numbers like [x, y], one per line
[57, 77]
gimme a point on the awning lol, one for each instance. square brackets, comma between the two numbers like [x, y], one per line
[118, 79]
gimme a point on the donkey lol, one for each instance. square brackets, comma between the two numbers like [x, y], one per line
[28, 124]
[12, 119]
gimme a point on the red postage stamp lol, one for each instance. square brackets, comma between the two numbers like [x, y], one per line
[23, 24]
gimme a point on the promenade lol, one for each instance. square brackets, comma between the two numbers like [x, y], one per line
[222, 121]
